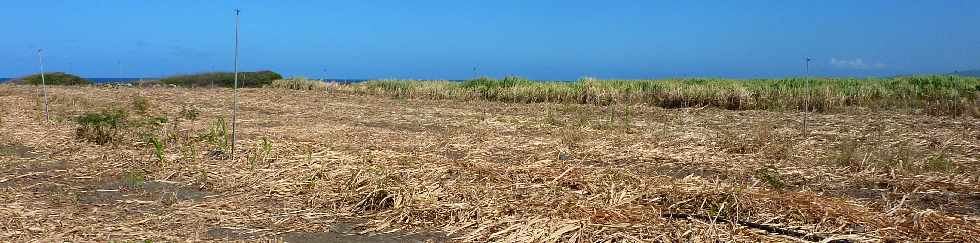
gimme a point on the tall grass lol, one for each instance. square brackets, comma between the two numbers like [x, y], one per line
[300, 84]
[937, 95]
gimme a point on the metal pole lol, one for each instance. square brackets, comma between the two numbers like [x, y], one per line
[234, 114]
[806, 103]
[44, 87]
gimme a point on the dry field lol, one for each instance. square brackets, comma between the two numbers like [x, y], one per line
[321, 166]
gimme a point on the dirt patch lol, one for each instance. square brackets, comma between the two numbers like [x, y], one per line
[16, 150]
[30, 173]
[947, 202]
[454, 154]
[344, 232]
[680, 171]
[124, 188]
[354, 238]
[405, 127]
[950, 202]
[865, 194]
[338, 232]
[229, 234]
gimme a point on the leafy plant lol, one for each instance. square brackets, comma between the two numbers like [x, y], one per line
[266, 147]
[189, 113]
[157, 148]
[141, 105]
[770, 176]
[217, 134]
[134, 179]
[259, 154]
[939, 164]
[101, 127]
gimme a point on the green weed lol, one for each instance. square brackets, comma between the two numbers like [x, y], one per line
[101, 127]
[134, 179]
[141, 105]
[770, 175]
[266, 147]
[217, 134]
[158, 148]
[938, 164]
[189, 113]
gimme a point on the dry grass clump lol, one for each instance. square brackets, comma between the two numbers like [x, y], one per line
[302, 84]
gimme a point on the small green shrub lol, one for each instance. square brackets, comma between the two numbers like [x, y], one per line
[141, 105]
[134, 179]
[101, 127]
[771, 177]
[53, 78]
[938, 164]
[189, 113]
[217, 134]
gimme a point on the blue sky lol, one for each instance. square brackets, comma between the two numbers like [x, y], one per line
[446, 39]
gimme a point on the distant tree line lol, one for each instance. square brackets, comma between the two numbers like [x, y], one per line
[223, 79]
[52, 78]
[968, 73]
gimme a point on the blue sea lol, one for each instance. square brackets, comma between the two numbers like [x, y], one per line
[98, 80]
[129, 80]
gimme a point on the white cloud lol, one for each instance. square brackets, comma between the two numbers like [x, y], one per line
[856, 63]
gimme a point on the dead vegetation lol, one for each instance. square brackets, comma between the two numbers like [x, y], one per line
[476, 171]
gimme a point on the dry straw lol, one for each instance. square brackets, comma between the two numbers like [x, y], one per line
[478, 171]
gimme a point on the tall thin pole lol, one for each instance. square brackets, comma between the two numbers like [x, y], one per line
[234, 114]
[44, 87]
[806, 103]
[211, 71]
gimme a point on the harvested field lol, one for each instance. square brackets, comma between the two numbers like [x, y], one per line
[332, 166]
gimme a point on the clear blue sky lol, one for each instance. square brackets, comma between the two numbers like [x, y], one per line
[542, 39]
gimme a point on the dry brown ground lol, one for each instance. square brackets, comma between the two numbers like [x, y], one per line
[415, 170]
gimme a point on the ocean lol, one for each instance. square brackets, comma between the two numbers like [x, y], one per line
[128, 80]
[98, 80]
